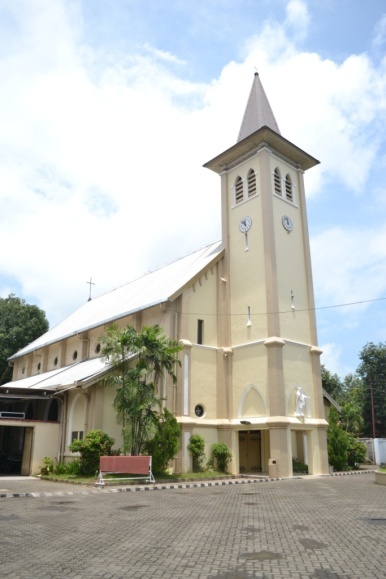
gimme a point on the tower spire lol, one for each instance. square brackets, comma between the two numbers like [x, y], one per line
[258, 112]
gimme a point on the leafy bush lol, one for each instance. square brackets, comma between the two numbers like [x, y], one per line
[356, 451]
[196, 449]
[164, 445]
[48, 466]
[70, 468]
[96, 444]
[298, 466]
[221, 456]
[60, 468]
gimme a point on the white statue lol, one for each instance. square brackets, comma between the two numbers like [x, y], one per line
[301, 402]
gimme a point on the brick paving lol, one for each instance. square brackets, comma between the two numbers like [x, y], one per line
[317, 528]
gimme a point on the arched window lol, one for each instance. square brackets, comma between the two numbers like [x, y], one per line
[277, 181]
[251, 183]
[239, 190]
[288, 188]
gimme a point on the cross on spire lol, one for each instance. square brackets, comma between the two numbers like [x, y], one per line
[90, 284]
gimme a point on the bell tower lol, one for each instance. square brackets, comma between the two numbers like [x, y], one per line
[267, 316]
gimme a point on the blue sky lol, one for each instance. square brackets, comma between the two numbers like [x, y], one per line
[109, 110]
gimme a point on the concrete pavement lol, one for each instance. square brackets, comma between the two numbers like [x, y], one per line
[327, 527]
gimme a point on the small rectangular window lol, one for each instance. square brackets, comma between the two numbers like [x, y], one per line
[76, 435]
[200, 331]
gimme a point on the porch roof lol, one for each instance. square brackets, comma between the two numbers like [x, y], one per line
[79, 374]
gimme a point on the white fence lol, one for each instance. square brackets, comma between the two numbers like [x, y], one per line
[380, 450]
[375, 450]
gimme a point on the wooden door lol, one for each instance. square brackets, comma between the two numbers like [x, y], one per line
[250, 451]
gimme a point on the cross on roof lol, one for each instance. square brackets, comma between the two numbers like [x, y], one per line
[90, 284]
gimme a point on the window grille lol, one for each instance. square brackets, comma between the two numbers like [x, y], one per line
[288, 188]
[251, 183]
[277, 181]
[239, 190]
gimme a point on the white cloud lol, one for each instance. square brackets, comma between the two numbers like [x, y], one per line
[331, 358]
[349, 267]
[101, 155]
[380, 33]
[298, 18]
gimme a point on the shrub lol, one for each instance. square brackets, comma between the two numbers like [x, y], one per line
[196, 449]
[60, 468]
[356, 451]
[96, 444]
[298, 466]
[221, 456]
[48, 466]
[164, 445]
[70, 468]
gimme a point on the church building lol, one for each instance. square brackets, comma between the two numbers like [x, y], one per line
[243, 310]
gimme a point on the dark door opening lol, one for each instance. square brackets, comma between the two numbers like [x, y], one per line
[11, 449]
[250, 451]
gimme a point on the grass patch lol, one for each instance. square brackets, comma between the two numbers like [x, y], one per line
[90, 480]
[69, 478]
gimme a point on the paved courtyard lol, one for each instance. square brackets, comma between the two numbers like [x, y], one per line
[327, 527]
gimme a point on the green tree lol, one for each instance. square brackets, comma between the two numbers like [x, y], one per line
[164, 445]
[140, 359]
[352, 419]
[332, 384]
[372, 398]
[337, 441]
[20, 324]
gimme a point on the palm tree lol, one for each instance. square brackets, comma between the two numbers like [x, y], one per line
[140, 360]
[352, 418]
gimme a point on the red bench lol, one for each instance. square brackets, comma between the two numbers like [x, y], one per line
[124, 465]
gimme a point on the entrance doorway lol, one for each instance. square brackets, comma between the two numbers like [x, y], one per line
[250, 451]
[11, 449]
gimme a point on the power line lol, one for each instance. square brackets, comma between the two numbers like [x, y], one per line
[291, 311]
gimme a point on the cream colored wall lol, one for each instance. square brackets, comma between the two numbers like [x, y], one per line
[73, 344]
[20, 368]
[202, 305]
[53, 353]
[45, 443]
[210, 435]
[298, 372]
[81, 408]
[95, 336]
[109, 416]
[250, 369]
[203, 380]
[291, 260]
[246, 260]
[76, 415]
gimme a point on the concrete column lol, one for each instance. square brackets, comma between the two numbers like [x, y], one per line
[318, 455]
[280, 460]
[276, 389]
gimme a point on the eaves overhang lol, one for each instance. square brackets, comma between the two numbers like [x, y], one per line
[254, 142]
[194, 279]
